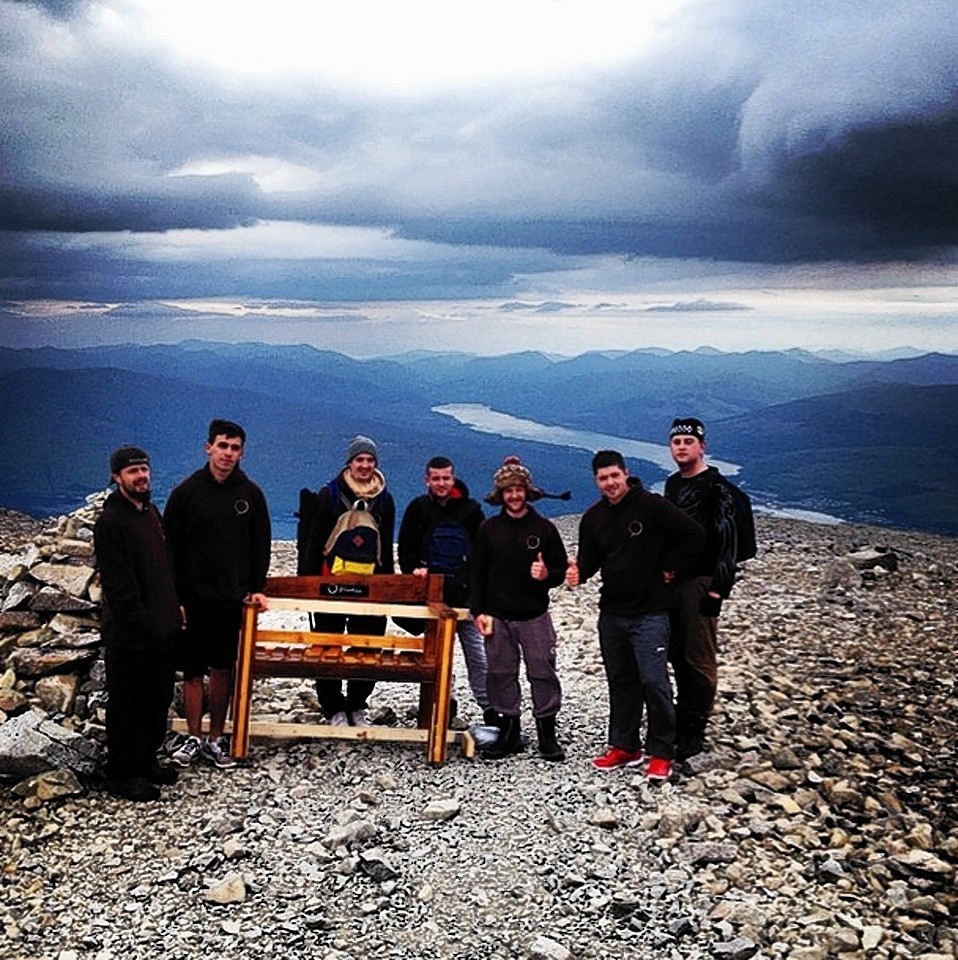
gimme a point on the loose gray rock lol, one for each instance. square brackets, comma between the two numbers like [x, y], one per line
[544, 948]
[31, 744]
[828, 770]
[230, 889]
[441, 810]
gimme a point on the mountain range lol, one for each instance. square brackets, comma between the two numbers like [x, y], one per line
[859, 440]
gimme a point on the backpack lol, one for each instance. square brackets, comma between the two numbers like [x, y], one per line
[447, 549]
[353, 544]
[362, 549]
[447, 552]
[747, 547]
[304, 523]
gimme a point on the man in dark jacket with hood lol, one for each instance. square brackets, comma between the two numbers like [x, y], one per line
[219, 529]
[518, 557]
[639, 541]
[360, 484]
[436, 535]
[698, 490]
[140, 620]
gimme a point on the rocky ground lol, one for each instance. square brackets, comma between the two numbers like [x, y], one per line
[820, 822]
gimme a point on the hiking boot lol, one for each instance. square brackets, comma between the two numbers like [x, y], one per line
[658, 769]
[163, 774]
[138, 790]
[549, 748]
[359, 718]
[616, 757]
[339, 719]
[185, 755]
[490, 717]
[217, 752]
[689, 745]
[507, 741]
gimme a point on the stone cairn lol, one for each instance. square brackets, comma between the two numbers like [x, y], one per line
[52, 675]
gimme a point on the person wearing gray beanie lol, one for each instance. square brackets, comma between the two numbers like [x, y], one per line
[360, 444]
[360, 485]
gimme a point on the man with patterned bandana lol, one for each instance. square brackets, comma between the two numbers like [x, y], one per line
[697, 489]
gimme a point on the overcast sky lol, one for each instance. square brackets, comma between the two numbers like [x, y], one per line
[561, 174]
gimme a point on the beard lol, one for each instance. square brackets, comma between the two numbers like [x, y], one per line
[138, 496]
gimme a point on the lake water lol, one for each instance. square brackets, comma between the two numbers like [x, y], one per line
[483, 419]
[479, 417]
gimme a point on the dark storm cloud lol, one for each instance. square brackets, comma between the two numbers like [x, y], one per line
[753, 132]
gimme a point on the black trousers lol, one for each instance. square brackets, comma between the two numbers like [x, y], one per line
[140, 686]
[329, 691]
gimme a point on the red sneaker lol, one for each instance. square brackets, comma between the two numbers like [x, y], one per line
[616, 757]
[658, 769]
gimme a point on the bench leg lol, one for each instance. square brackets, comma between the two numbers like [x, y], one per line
[436, 750]
[243, 685]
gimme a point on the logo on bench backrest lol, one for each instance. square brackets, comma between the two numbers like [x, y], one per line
[343, 591]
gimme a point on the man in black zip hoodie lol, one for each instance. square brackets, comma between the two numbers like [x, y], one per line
[219, 529]
[140, 619]
[518, 557]
[437, 535]
[639, 541]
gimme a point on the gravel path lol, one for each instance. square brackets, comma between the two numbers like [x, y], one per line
[820, 822]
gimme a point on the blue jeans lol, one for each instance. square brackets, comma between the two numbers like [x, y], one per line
[635, 652]
[474, 651]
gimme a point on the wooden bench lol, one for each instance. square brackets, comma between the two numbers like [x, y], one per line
[426, 660]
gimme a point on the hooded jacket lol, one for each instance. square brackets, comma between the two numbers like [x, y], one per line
[706, 499]
[423, 515]
[633, 542]
[221, 538]
[140, 606]
[506, 547]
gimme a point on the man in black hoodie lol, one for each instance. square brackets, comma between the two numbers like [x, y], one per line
[219, 529]
[518, 557]
[639, 541]
[436, 535]
[140, 620]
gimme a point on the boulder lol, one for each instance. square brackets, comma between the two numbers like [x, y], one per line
[32, 744]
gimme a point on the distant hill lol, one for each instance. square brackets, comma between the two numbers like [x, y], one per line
[847, 438]
[875, 454]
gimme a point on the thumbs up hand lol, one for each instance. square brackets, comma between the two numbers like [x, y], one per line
[539, 570]
[572, 577]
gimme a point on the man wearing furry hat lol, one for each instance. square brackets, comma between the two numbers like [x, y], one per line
[359, 484]
[518, 557]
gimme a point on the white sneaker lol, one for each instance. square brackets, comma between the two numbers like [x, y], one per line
[359, 718]
[187, 752]
[339, 719]
[217, 752]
